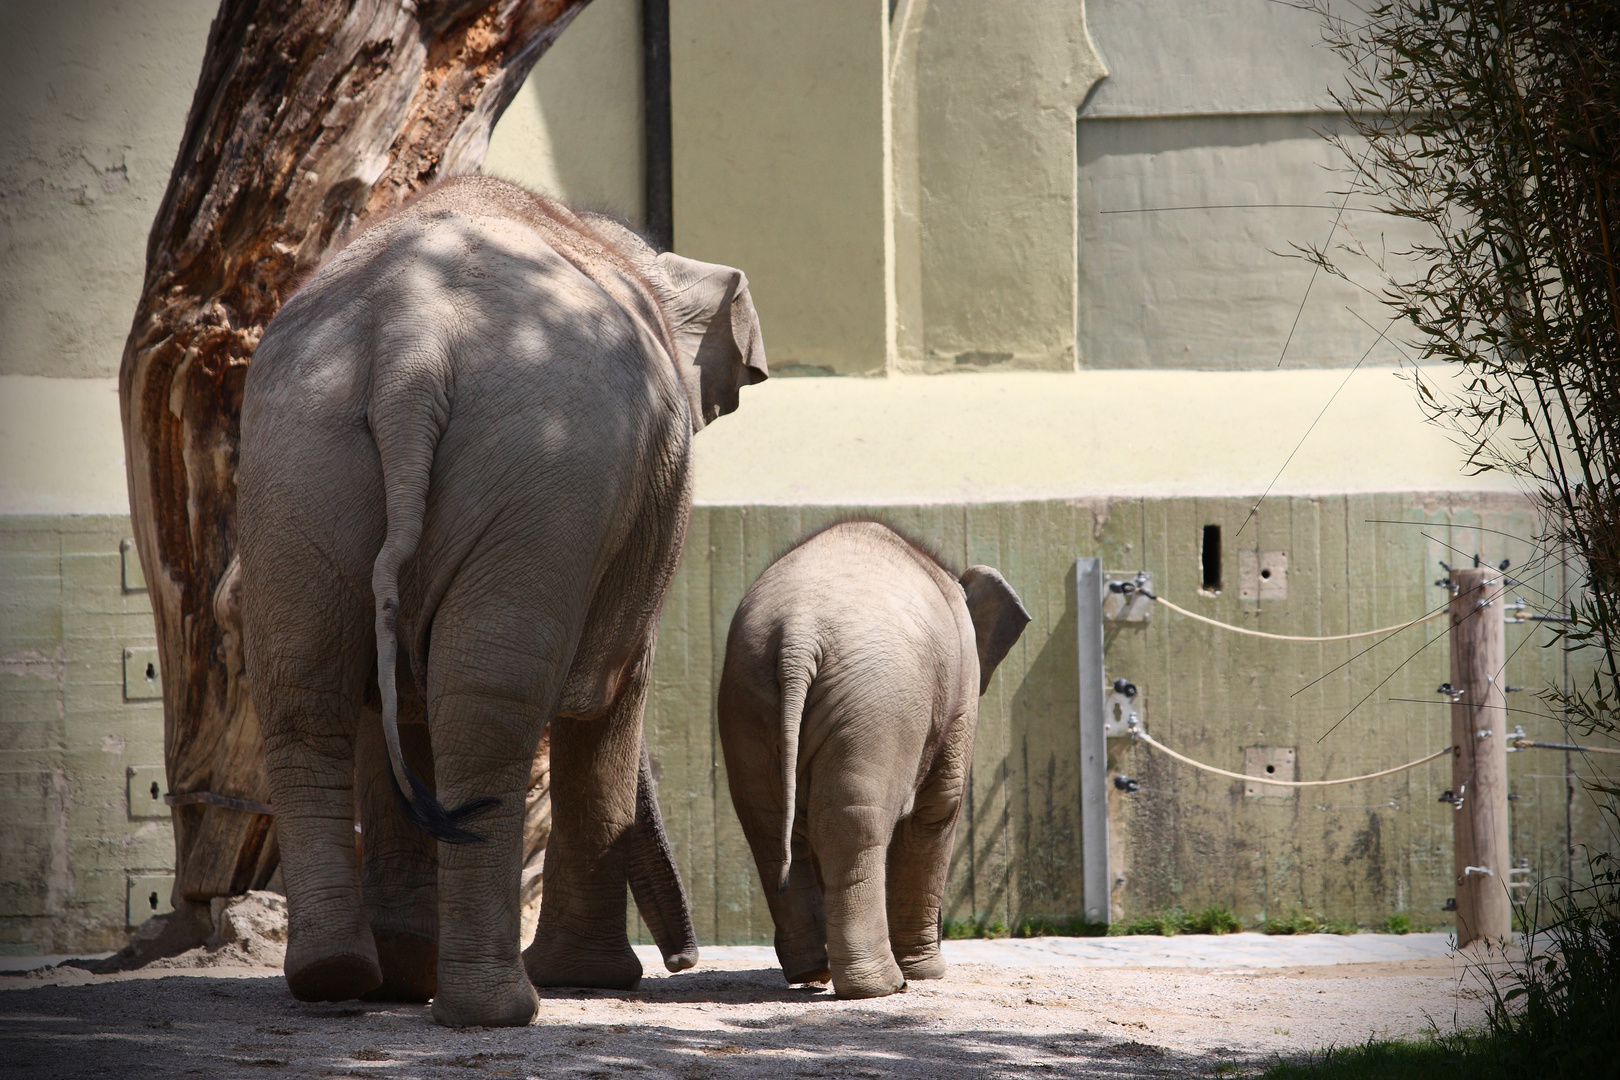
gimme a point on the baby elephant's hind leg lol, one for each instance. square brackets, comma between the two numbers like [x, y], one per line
[801, 921]
[851, 843]
[919, 866]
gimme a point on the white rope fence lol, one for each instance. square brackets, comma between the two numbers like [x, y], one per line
[1179, 610]
[1518, 741]
[1143, 736]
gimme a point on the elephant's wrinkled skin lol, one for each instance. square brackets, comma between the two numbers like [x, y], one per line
[473, 423]
[847, 711]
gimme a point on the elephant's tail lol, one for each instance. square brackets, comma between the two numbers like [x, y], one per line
[795, 670]
[409, 406]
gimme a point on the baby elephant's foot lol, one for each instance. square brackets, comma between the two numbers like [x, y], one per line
[805, 965]
[564, 960]
[868, 979]
[410, 968]
[466, 998]
[923, 965]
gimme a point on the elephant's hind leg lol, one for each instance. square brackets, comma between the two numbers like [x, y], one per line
[851, 843]
[919, 866]
[801, 922]
[581, 939]
[309, 732]
[483, 744]
[399, 862]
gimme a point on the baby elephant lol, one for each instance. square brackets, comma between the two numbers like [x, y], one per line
[847, 710]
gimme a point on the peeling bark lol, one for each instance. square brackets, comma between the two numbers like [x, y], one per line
[309, 117]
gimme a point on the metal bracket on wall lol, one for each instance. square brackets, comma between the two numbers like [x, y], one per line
[1124, 600]
[149, 895]
[134, 580]
[1123, 705]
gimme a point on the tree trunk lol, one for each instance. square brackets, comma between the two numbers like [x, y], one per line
[309, 117]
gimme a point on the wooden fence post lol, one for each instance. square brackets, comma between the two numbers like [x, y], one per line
[1479, 770]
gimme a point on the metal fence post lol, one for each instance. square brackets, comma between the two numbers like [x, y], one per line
[1088, 585]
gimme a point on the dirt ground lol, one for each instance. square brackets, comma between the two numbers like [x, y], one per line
[731, 1018]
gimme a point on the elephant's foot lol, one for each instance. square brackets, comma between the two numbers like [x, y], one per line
[333, 978]
[472, 1002]
[410, 968]
[868, 979]
[822, 975]
[925, 964]
[558, 962]
[805, 965]
[684, 960]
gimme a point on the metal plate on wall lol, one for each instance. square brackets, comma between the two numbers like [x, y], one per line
[147, 786]
[1262, 575]
[1122, 606]
[149, 895]
[1273, 762]
[143, 679]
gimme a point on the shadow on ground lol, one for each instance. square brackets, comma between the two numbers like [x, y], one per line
[250, 1027]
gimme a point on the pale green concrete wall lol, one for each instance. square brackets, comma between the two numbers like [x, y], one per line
[1357, 853]
[780, 169]
[68, 839]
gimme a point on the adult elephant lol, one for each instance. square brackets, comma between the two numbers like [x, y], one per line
[466, 455]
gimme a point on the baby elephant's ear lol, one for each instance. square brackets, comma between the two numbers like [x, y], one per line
[716, 330]
[998, 617]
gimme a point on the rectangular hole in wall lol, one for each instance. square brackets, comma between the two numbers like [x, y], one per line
[1210, 559]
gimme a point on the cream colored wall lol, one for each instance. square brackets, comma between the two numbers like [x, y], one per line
[779, 167]
[95, 102]
[575, 129]
[985, 101]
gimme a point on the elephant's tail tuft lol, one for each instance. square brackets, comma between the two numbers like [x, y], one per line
[795, 670]
[423, 809]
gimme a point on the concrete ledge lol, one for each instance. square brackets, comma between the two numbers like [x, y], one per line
[988, 437]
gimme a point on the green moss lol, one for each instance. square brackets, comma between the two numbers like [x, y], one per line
[1059, 926]
[1398, 923]
[965, 929]
[1212, 920]
[1172, 921]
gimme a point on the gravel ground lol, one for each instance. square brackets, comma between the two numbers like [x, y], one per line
[734, 1017]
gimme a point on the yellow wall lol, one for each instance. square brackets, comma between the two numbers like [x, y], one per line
[779, 166]
[574, 130]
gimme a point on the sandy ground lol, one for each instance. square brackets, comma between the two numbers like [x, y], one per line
[734, 1017]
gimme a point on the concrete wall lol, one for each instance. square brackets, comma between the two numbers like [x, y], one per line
[71, 842]
[96, 99]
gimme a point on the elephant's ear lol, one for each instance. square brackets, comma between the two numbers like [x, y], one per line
[998, 617]
[716, 331]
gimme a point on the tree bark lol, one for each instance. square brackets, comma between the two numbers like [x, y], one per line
[309, 117]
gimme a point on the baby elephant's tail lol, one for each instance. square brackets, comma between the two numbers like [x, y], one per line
[406, 428]
[795, 670]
